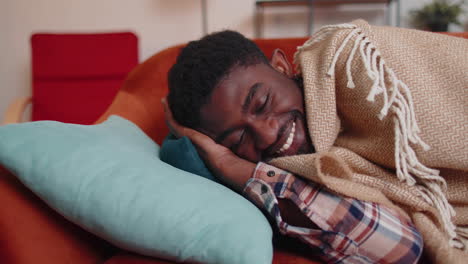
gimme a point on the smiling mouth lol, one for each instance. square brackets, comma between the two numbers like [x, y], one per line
[289, 141]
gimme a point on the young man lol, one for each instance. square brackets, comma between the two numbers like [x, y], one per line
[240, 109]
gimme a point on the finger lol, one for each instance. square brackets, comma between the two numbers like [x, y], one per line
[167, 110]
[172, 124]
[201, 140]
[198, 138]
[206, 146]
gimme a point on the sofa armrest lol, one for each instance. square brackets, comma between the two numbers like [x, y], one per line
[15, 110]
[130, 258]
[31, 232]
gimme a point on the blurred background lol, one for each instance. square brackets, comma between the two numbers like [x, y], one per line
[162, 23]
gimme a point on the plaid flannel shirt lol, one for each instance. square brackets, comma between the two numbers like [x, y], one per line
[351, 231]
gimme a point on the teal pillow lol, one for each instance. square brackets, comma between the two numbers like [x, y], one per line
[108, 179]
[182, 154]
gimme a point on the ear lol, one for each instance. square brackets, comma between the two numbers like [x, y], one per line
[280, 62]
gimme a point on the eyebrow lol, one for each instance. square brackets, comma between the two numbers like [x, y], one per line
[245, 107]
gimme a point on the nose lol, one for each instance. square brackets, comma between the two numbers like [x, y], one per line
[265, 131]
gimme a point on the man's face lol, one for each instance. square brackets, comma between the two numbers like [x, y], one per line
[258, 112]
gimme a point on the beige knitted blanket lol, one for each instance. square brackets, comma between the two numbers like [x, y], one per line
[387, 110]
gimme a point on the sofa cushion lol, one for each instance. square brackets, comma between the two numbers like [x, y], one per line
[108, 179]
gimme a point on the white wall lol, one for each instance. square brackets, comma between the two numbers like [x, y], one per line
[158, 23]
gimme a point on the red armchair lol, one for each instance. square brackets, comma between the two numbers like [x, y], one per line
[75, 77]
[33, 233]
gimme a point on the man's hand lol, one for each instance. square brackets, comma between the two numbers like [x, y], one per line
[231, 169]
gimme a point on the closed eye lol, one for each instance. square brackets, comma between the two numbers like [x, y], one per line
[262, 107]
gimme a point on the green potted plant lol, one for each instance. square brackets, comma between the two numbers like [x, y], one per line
[437, 16]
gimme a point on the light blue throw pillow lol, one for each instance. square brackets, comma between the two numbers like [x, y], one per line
[108, 179]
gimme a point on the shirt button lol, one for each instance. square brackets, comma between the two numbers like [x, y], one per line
[270, 173]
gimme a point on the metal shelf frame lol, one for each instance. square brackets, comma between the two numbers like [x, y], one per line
[260, 5]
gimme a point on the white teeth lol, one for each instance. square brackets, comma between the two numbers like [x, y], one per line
[289, 140]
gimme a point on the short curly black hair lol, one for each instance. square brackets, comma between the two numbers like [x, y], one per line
[199, 68]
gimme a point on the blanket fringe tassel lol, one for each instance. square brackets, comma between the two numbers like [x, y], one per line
[398, 100]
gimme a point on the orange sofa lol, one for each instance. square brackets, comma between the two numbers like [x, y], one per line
[33, 233]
